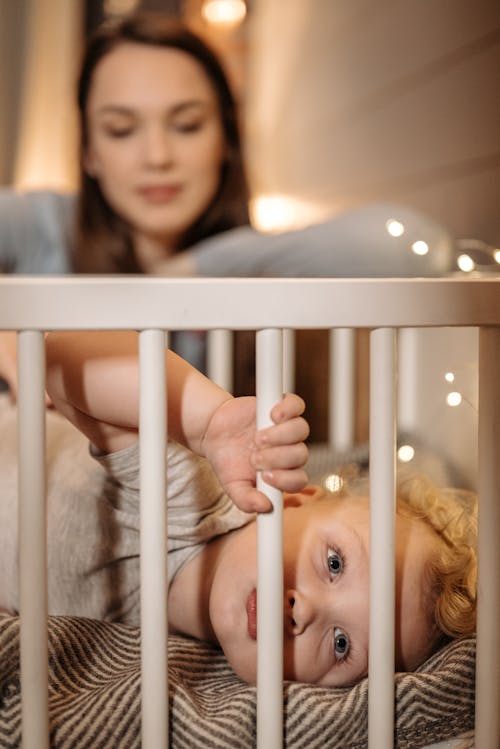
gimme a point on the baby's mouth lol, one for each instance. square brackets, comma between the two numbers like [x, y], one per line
[252, 614]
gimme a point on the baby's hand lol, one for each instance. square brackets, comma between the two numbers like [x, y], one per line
[236, 451]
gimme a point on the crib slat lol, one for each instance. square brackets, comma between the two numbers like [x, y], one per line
[153, 540]
[220, 357]
[32, 540]
[488, 633]
[288, 360]
[382, 526]
[270, 560]
[341, 383]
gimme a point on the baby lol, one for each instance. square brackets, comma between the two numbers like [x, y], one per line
[93, 378]
[326, 580]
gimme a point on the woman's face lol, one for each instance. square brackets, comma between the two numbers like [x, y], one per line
[326, 605]
[155, 139]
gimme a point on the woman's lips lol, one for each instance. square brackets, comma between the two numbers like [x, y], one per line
[159, 193]
[252, 614]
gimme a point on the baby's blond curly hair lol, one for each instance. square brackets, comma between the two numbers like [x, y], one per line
[452, 571]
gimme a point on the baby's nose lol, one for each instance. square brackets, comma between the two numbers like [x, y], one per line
[298, 612]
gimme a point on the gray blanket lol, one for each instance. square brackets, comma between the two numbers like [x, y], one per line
[94, 695]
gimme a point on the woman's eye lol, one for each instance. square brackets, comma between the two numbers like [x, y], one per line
[188, 127]
[119, 132]
[335, 562]
[341, 646]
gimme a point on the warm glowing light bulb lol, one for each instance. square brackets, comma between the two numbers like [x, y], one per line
[496, 255]
[454, 399]
[224, 12]
[277, 212]
[394, 228]
[420, 247]
[449, 377]
[271, 212]
[406, 453]
[119, 7]
[466, 263]
[333, 482]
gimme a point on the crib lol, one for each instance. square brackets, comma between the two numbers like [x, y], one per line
[32, 305]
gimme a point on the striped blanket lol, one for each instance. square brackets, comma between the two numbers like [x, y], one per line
[94, 695]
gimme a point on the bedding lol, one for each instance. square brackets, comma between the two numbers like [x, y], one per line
[94, 695]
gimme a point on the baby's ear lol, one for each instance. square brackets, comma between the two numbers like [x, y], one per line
[310, 493]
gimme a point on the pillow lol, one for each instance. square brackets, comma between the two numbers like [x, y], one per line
[94, 695]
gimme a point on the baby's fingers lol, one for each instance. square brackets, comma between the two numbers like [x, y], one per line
[290, 405]
[283, 457]
[249, 499]
[292, 431]
[286, 481]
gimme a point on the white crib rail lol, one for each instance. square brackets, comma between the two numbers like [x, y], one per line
[382, 524]
[34, 304]
[32, 539]
[269, 347]
[153, 538]
[488, 637]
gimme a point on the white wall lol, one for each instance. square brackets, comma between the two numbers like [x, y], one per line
[357, 101]
[40, 44]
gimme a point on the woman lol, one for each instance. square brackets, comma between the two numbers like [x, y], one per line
[160, 157]
[160, 150]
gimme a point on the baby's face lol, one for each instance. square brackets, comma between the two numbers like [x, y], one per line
[326, 600]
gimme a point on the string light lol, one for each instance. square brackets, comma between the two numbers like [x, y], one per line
[477, 255]
[454, 399]
[420, 247]
[406, 453]
[333, 482]
[465, 263]
[394, 228]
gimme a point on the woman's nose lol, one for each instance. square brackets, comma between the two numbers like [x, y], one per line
[298, 612]
[158, 148]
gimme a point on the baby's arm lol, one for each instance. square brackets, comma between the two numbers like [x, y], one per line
[93, 379]
[8, 364]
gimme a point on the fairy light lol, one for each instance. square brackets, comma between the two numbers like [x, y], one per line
[406, 453]
[394, 228]
[449, 377]
[420, 247]
[454, 399]
[224, 12]
[496, 256]
[465, 263]
[333, 482]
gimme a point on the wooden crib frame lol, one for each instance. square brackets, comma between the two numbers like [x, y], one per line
[32, 305]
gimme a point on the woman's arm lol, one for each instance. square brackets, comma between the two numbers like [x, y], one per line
[93, 379]
[352, 244]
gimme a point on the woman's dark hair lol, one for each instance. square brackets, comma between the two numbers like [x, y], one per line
[103, 240]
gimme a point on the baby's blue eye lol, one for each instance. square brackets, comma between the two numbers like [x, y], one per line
[335, 562]
[341, 644]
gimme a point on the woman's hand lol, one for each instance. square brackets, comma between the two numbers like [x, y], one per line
[236, 450]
